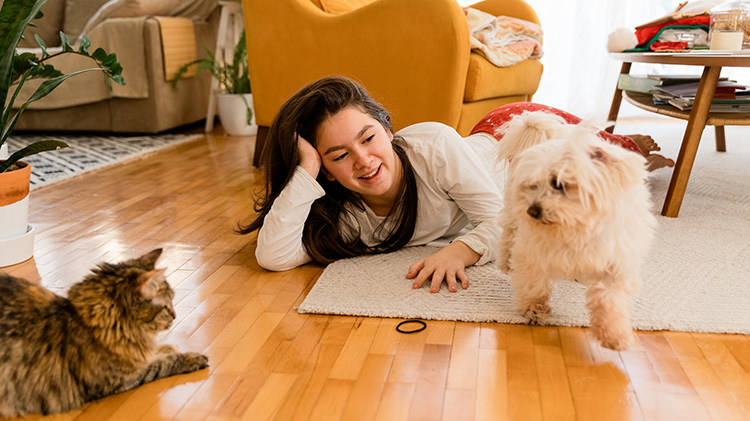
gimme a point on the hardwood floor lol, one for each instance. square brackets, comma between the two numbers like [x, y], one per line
[269, 362]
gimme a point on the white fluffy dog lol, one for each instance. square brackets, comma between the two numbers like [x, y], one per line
[576, 208]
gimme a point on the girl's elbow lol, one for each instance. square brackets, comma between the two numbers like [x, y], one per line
[273, 264]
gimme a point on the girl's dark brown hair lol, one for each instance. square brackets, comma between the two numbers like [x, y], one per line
[326, 236]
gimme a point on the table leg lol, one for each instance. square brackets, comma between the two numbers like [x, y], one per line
[690, 141]
[614, 109]
[721, 144]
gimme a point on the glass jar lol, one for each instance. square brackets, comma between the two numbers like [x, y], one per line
[730, 26]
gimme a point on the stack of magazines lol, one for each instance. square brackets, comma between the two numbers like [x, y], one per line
[729, 97]
[679, 91]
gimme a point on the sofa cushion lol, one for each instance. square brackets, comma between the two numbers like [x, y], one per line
[485, 80]
[196, 10]
[48, 27]
[129, 9]
[339, 7]
[77, 13]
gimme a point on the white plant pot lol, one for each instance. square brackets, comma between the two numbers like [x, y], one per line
[18, 249]
[4, 152]
[16, 236]
[15, 218]
[233, 114]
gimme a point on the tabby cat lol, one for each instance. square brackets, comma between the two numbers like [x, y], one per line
[57, 353]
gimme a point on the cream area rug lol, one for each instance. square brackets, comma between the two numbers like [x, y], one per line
[697, 278]
[87, 153]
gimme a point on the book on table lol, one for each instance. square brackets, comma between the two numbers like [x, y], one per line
[689, 90]
[640, 84]
[649, 83]
[677, 79]
[679, 91]
[683, 95]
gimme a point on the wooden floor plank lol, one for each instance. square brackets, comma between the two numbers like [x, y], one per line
[492, 385]
[463, 369]
[429, 390]
[365, 397]
[554, 387]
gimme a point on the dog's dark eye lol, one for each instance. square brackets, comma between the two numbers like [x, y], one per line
[556, 184]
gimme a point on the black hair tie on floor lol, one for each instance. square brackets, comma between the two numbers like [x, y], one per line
[405, 322]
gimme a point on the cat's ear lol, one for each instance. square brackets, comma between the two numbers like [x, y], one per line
[149, 283]
[151, 257]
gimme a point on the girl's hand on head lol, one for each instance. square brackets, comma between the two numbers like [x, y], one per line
[447, 265]
[309, 158]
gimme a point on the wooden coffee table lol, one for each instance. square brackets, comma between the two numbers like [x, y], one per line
[697, 118]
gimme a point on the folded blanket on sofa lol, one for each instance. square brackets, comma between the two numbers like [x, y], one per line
[502, 40]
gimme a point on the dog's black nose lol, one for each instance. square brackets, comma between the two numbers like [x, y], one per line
[534, 211]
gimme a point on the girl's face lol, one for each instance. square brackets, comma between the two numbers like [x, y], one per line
[356, 151]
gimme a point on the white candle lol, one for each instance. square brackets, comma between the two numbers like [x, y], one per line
[726, 40]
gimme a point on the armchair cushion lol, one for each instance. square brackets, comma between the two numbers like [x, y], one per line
[485, 80]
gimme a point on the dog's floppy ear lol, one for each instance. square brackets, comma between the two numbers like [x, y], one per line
[597, 153]
[622, 167]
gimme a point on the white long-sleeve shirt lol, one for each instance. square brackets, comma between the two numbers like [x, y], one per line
[459, 187]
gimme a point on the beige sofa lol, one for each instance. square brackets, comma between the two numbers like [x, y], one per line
[148, 47]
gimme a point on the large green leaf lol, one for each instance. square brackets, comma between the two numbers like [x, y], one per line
[43, 90]
[15, 16]
[34, 148]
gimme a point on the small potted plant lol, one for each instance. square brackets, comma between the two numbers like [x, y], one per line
[236, 103]
[16, 236]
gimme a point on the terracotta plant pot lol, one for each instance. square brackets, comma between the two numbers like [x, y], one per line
[16, 235]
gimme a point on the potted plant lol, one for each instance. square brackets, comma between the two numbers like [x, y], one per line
[16, 236]
[235, 104]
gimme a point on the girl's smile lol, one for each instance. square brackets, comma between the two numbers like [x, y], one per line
[356, 151]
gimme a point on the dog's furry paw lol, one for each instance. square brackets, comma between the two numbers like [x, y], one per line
[536, 312]
[503, 262]
[617, 341]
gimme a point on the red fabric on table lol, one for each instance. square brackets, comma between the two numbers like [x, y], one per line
[675, 45]
[645, 34]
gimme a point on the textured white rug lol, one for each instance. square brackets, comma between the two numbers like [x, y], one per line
[697, 279]
[87, 153]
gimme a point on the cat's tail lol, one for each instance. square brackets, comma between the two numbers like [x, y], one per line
[526, 130]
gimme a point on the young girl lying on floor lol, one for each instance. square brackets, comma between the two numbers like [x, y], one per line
[340, 183]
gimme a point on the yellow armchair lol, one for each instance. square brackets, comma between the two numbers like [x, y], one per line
[413, 56]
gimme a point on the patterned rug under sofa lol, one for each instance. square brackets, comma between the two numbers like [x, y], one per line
[87, 153]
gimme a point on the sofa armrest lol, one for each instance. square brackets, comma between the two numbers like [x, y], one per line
[411, 55]
[513, 8]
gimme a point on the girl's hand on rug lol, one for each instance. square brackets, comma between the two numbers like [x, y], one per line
[447, 264]
[309, 158]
